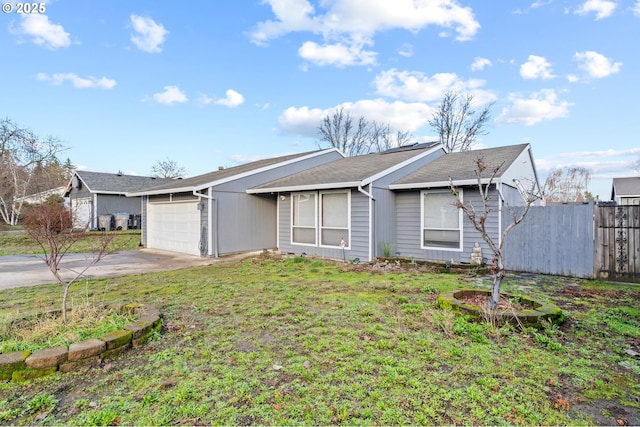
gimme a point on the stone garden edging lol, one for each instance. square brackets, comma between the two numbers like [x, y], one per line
[528, 317]
[25, 365]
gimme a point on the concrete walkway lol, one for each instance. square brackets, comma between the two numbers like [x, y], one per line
[30, 270]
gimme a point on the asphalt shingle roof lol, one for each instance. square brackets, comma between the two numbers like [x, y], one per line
[463, 165]
[225, 173]
[100, 182]
[347, 170]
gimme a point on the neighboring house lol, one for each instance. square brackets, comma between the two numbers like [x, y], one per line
[626, 191]
[213, 214]
[430, 226]
[92, 194]
[344, 208]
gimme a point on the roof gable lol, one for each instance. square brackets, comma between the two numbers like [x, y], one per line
[349, 171]
[461, 167]
[626, 187]
[229, 174]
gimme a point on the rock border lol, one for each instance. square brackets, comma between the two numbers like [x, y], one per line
[528, 317]
[21, 366]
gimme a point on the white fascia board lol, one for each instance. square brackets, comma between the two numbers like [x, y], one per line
[400, 165]
[162, 191]
[440, 184]
[306, 187]
[265, 168]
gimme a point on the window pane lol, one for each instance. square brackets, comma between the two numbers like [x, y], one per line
[440, 211]
[304, 235]
[304, 210]
[334, 210]
[334, 237]
[442, 238]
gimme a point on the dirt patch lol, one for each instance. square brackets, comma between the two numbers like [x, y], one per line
[504, 304]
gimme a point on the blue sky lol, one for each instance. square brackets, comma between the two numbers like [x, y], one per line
[211, 83]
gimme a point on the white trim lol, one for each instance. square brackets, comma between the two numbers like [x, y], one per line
[305, 188]
[94, 212]
[440, 184]
[423, 193]
[315, 219]
[320, 194]
[371, 200]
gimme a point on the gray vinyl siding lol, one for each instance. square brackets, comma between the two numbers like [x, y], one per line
[359, 247]
[409, 234]
[114, 203]
[385, 203]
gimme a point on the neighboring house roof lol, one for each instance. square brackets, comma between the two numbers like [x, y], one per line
[349, 171]
[42, 196]
[461, 167]
[223, 175]
[625, 187]
[112, 183]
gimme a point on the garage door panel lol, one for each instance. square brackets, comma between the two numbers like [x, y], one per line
[174, 227]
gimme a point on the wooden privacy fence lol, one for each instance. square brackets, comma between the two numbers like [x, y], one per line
[579, 240]
[617, 243]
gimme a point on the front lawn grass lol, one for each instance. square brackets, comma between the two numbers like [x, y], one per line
[291, 341]
[19, 242]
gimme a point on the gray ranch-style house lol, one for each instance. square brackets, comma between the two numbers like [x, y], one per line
[324, 204]
[429, 225]
[213, 214]
[92, 194]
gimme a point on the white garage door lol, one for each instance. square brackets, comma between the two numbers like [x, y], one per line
[174, 227]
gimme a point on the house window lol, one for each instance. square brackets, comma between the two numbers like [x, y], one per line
[304, 219]
[334, 219]
[321, 217]
[441, 221]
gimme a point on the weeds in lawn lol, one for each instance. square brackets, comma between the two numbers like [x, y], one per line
[286, 341]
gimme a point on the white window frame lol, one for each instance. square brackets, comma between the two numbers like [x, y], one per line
[318, 226]
[423, 195]
[294, 196]
[321, 226]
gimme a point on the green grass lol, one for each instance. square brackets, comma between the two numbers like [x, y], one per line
[289, 341]
[21, 243]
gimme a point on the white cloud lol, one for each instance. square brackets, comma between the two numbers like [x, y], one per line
[536, 67]
[480, 64]
[336, 54]
[171, 95]
[596, 65]
[346, 26]
[148, 35]
[43, 32]
[399, 115]
[77, 81]
[540, 106]
[406, 50]
[602, 8]
[636, 8]
[416, 86]
[232, 99]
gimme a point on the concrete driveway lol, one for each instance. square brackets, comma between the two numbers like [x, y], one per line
[30, 270]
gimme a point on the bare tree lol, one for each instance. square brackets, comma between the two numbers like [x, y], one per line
[478, 218]
[568, 184]
[458, 124]
[50, 224]
[355, 137]
[167, 169]
[21, 151]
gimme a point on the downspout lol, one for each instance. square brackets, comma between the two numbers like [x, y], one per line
[501, 202]
[212, 226]
[94, 213]
[371, 199]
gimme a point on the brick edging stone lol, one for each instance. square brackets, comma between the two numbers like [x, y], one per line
[24, 365]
